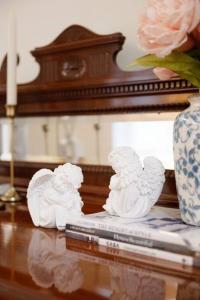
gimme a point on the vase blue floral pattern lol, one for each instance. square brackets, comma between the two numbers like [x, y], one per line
[187, 161]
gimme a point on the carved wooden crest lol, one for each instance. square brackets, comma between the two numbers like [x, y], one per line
[79, 75]
[77, 54]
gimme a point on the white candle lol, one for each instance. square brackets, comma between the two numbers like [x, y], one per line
[11, 63]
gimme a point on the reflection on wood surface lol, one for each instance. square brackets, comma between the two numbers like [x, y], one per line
[42, 264]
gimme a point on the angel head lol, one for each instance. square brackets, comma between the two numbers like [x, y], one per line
[125, 159]
[67, 175]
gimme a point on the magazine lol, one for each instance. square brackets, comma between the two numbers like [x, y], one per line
[162, 226]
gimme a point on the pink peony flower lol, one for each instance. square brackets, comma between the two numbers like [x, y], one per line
[164, 74]
[166, 25]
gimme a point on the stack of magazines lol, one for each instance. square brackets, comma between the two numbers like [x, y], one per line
[162, 234]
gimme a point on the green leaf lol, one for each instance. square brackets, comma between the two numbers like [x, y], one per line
[181, 63]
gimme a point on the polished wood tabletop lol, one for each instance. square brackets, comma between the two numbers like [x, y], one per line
[40, 263]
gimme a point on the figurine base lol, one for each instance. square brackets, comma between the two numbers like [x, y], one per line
[11, 195]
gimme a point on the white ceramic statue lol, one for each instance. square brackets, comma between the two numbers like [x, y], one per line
[53, 197]
[134, 189]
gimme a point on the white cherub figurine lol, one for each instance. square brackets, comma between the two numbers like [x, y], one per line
[134, 189]
[53, 197]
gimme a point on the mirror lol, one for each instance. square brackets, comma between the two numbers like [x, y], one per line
[89, 139]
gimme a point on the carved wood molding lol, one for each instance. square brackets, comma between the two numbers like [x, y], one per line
[109, 99]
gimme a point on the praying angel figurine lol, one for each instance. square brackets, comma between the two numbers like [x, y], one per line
[134, 189]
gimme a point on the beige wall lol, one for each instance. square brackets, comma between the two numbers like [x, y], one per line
[41, 21]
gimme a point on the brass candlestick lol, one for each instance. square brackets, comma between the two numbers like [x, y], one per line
[11, 195]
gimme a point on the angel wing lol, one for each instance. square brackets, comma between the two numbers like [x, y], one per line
[38, 183]
[152, 179]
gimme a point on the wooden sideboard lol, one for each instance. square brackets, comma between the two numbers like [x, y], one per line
[79, 76]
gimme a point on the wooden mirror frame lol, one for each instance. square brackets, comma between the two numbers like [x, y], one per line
[79, 76]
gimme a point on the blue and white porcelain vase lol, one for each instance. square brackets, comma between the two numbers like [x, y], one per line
[187, 161]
